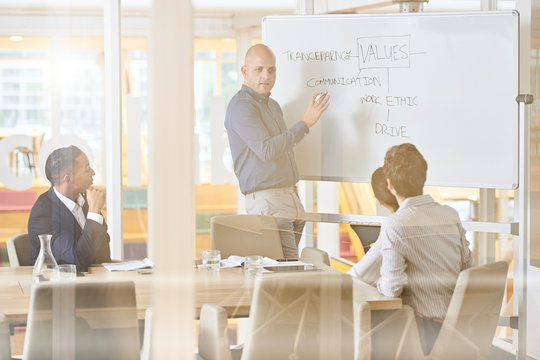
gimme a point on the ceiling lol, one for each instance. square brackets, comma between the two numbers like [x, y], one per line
[229, 9]
[198, 5]
[235, 6]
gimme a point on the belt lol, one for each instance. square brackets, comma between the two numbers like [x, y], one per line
[282, 189]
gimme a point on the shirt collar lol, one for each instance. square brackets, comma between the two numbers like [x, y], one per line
[416, 201]
[254, 94]
[70, 204]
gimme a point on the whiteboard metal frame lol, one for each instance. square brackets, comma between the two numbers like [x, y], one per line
[521, 243]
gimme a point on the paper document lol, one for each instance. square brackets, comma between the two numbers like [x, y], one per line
[236, 261]
[129, 265]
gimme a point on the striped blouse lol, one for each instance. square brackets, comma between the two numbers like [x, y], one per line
[423, 247]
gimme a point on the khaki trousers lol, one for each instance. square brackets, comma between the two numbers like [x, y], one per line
[284, 204]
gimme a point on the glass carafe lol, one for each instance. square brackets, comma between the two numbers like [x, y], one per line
[45, 268]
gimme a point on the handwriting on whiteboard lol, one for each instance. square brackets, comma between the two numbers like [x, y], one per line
[375, 56]
[383, 52]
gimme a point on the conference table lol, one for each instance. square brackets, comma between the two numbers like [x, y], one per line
[229, 288]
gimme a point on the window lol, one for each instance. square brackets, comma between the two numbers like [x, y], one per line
[215, 74]
[81, 96]
[22, 102]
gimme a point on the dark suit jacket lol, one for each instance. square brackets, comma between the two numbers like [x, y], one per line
[70, 244]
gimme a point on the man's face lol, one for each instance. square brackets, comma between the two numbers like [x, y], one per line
[260, 71]
[82, 174]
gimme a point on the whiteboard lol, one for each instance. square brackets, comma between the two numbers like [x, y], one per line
[446, 82]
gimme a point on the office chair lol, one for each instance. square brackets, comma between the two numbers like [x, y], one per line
[469, 326]
[213, 340]
[305, 316]
[468, 329]
[27, 156]
[82, 320]
[292, 316]
[18, 249]
[245, 235]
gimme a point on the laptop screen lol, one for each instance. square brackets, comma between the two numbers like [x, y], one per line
[368, 234]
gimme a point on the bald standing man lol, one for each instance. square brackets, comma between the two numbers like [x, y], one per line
[262, 146]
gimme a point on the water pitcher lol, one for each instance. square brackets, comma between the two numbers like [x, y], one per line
[45, 268]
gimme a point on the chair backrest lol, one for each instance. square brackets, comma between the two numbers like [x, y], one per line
[392, 334]
[301, 316]
[18, 249]
[245, 235]
[473, 313]
[82, 320]
[311, 254]
[213, 340]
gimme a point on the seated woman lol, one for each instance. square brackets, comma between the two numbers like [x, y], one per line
[368, 268]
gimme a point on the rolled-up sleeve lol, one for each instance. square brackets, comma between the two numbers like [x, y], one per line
[368, 269]
[467, 259]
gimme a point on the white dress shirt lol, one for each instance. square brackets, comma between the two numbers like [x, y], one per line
[368, 269]
[76, 209]
[423, 244]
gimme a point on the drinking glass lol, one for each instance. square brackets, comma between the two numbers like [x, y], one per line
[202, 256]
[211, 260]
[67, 272]
[253, 265]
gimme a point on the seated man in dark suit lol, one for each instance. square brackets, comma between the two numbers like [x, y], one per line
[71, 211]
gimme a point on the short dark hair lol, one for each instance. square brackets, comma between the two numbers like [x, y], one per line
[380, 189]
[406, 168]
[60, 162]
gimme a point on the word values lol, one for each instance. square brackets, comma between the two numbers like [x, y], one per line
[384, 52]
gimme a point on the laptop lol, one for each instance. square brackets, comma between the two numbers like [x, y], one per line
[368, 234]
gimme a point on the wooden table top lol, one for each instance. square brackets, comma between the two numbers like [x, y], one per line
[228, 288]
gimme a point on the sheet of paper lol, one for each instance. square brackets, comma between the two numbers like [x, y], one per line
[236, 261]
[129, 265]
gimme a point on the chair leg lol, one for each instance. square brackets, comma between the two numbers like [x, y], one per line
[17, 162]
[31, 163]
[5, 346]
[27, 160]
